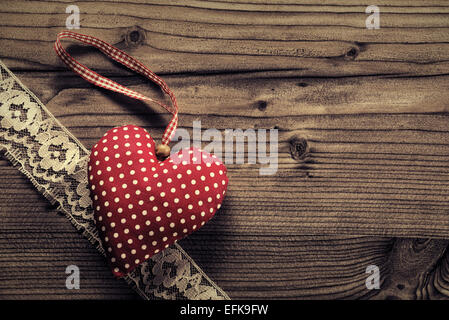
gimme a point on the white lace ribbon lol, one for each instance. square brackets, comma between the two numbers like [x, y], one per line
[55, 162]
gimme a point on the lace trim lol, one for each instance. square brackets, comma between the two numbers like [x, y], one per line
[56, 163]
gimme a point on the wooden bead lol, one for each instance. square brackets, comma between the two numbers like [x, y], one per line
[162, 151]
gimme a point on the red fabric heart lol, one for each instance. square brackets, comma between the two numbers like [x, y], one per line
[143, 205]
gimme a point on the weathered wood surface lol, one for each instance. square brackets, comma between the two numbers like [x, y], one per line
[371, 105]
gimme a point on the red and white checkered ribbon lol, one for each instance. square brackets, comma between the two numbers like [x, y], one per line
[128, 61]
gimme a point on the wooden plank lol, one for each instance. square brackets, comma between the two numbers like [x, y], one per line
[363, 140]
[374, 166]
[327, 39]
[37, 244]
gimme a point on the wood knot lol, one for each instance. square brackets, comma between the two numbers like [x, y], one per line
[298, 148]
[352, 53]
[134, 37]
[261, 105]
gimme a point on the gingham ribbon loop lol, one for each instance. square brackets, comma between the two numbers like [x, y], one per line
[124, 59]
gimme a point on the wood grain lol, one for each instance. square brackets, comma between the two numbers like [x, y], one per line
[202, 37]
[37, 244]
[367, 172]
[363, 140]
